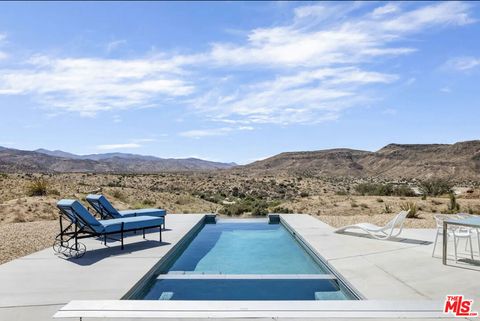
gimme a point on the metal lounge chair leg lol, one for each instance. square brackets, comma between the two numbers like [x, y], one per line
[76, 237]
[469, 240]
[455, 246]
[160, 233]
[435, 244]
[478, 241]
[105, 239]
[143, 233]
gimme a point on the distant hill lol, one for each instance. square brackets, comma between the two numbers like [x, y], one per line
[42, 160]
[460, 161]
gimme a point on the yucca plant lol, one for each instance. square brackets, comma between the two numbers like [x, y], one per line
[412, 208]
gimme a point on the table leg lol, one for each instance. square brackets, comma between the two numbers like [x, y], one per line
[444, 243]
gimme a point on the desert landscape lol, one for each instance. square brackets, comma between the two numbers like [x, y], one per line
[336, 186]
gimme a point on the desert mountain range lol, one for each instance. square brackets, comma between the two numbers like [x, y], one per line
[459, 161]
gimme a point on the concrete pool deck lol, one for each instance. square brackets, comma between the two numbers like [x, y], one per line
[35, 287]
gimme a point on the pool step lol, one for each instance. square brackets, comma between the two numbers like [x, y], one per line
[195, 276]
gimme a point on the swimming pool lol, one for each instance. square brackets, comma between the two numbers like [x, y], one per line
[242, 260]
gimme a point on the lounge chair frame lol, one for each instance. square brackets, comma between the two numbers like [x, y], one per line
[78, 228]
[380, 232]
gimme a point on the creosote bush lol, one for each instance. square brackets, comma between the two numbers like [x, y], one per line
[38, 187]
[435, 187]
[378, 189]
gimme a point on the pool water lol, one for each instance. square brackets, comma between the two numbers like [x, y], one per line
[245, 248]
[243, 260]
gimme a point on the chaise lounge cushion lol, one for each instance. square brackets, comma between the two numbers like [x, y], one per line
[101, 204]
[144, 211]
[130, 223]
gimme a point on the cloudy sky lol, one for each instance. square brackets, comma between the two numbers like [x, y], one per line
[237, 81]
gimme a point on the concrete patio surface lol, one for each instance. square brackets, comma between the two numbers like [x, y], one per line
[398, 269]
[36, 286]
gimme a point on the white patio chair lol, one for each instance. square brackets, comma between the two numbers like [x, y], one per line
[456, 232]
[391, 230]
[473, 230]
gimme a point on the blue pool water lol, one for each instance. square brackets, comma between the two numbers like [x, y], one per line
[290, 289]
[245, 248]
[243, 260]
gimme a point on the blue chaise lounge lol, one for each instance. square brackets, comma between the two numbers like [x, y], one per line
[106, 209]
[83, 225]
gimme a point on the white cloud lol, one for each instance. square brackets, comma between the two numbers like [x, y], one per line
[113, 45]
[3, 55]
[90, 85]
[118, 146]
[389, 111]
[306, 70]
[316, 59]
[304, 43]
[446, 90]
[463, 63]
[310, 96]
[200, 133]
[387, 9]
[131, 144]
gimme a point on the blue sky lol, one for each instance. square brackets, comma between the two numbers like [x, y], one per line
[237, 81]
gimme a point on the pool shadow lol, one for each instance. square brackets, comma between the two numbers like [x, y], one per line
[113, 247]
[465, 263]
[393, 239]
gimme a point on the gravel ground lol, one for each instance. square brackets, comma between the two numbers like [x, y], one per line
[20, 239]
[425, 220]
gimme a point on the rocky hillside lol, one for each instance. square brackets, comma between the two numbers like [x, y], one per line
[458, 161]
[14, 160]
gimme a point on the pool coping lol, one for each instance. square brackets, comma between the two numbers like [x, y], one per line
[371, 309]
[168, 256]
[317, 255]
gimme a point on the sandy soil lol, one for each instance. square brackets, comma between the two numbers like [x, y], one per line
[28, 223]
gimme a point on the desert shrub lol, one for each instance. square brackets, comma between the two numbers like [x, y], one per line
[379, 200]
[374, 189]
[183, 200]
[54, 192]
[254, 206]
[281, 209]
[412, 207]
[119, 195]
[341, 192]
[384, 189]
[387, 209]
[37, 187]
[148, 202]
[471, 210]
[403, 190]
[435, 187]
[353, 204]
[304, 194]
[453, 206]
[363, 205]
[144, 204]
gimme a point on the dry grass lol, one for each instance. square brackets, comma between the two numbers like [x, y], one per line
[198, 193]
